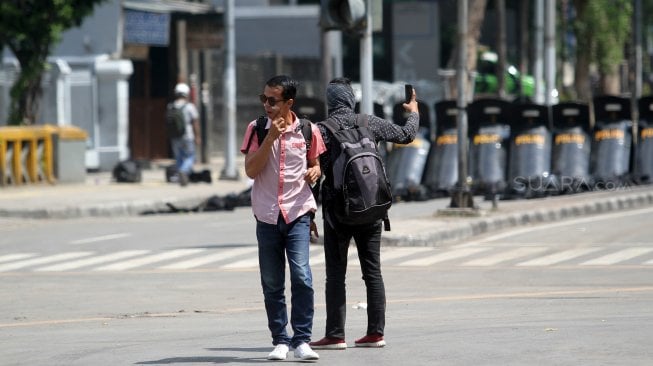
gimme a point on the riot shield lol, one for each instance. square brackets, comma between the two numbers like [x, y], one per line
[611, 142]
[312, 109]
[570, 163]
[644, 165]
[441, 172]
[489, 132]
[406, 162]
[377, 108]
[530, 152]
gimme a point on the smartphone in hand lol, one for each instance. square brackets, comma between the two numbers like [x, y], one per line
[409, 93]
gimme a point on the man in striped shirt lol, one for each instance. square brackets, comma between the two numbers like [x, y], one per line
[283, 168]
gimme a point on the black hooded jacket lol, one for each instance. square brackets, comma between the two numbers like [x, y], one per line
[341, 102]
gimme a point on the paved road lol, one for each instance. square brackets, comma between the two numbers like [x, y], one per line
[227, 241]
[558, 293]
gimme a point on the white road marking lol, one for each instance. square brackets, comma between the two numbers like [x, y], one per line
[504, 256]
[15, 256]
[42, 260]
[395, 253]
[67, 266]
[100, 238]
[620, 256]
[216, 257]
[570, 222]
[139, 262]
[558, 257]
[124, 260]
[317, 255]
[443, 256]
[245, 263]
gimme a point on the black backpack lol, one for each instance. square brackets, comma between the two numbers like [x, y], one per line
[261, 131]
[363, 194]
[175, 121]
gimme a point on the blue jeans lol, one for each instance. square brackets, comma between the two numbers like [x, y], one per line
[184, 151]
[275, 242]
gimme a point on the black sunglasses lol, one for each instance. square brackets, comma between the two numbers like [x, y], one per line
[271, 101]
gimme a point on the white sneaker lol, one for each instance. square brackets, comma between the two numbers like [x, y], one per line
[279, 352]
[304, 352]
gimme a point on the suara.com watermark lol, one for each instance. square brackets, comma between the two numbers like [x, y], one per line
[555, 184]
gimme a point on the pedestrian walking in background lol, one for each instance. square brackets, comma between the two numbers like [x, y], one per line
[283, 206]
[338, 233]
[184, 131]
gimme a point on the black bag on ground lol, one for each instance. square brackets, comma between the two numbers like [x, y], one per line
[218, 203]
[194, 177]
[127, 171]
[202, 176]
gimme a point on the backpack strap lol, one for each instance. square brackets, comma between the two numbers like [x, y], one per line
[260, 130]
[360, 120]
[330, 125]
[307, 131]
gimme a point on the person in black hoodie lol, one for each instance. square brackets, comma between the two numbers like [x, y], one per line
[337, 235]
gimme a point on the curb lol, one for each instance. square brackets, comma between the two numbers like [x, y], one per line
[111, 209]
[454, 229]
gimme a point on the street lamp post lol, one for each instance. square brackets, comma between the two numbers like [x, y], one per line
[366, 63]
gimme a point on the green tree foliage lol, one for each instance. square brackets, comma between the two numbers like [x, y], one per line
[30, 28]
[602, 30]
[614, 18]
[647, 40]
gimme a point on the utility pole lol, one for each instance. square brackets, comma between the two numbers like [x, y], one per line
[539, 53]
[636, 72]
[348, 16]
[461, 196]
[229, 93]
[550, 52]
[637, 24]
[366, 64]
[327, 59]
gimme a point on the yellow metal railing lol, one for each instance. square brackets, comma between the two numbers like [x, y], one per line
[26, 154]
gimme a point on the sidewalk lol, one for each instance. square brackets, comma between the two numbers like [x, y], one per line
[101, 196]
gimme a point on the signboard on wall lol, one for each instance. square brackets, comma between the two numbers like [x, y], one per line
[416, 40]
[143, 27]
[204, 31]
